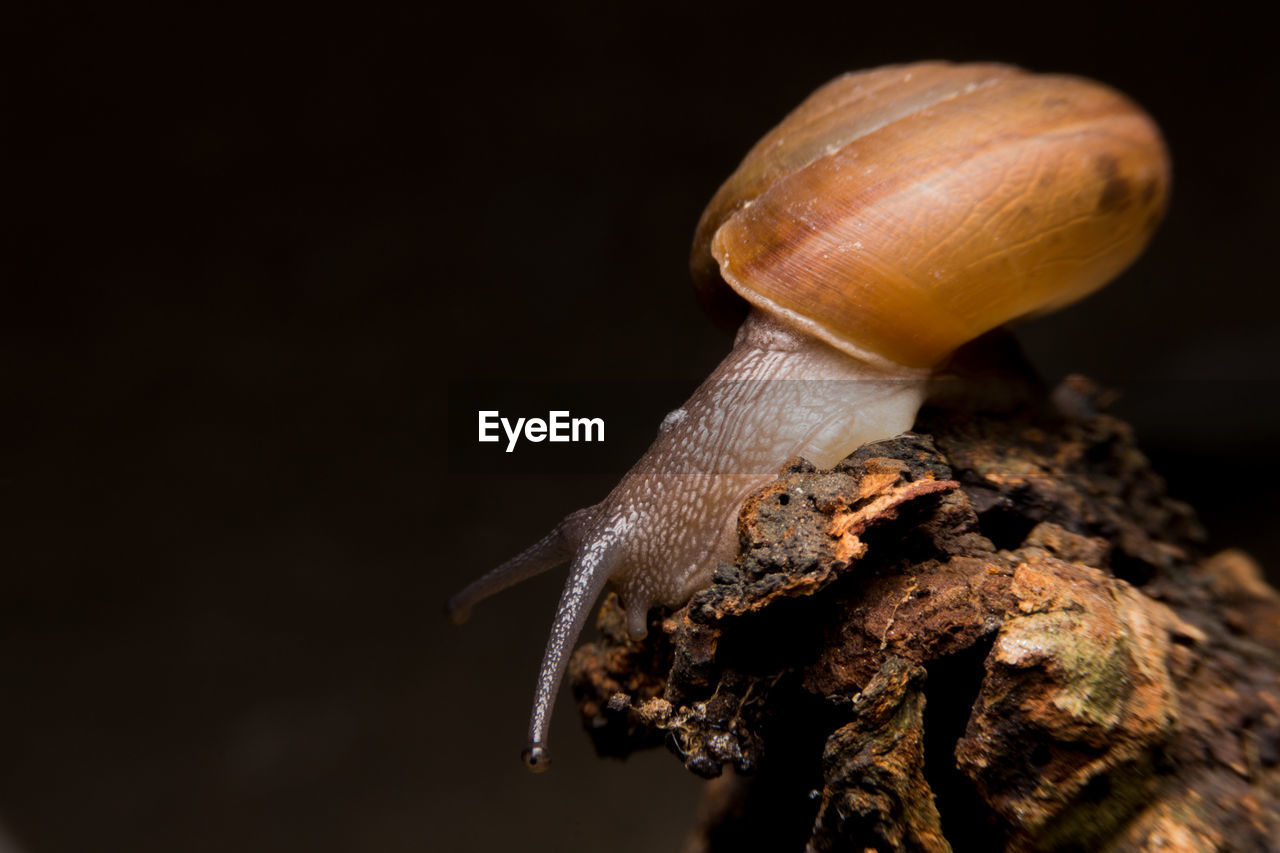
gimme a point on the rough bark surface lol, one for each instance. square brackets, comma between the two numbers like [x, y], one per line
[995, 633]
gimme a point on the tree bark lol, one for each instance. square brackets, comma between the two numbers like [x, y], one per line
[997, 632]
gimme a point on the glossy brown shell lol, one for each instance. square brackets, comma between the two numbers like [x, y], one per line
[900, 212]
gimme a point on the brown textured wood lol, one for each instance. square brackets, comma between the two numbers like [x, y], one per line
[999, 633]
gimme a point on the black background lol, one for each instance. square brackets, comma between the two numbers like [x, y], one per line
[251, 252]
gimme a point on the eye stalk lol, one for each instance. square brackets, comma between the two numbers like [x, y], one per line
[893, 216]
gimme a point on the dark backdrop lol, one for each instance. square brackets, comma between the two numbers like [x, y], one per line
[253, 255]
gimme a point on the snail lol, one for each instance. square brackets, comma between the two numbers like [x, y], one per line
[893, 216]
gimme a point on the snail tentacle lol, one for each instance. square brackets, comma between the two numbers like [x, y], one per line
[554, 549]
[588, 574]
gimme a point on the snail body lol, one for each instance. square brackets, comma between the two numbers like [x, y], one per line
[890, 218]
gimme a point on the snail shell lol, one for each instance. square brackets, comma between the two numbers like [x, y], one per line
[901, 212]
